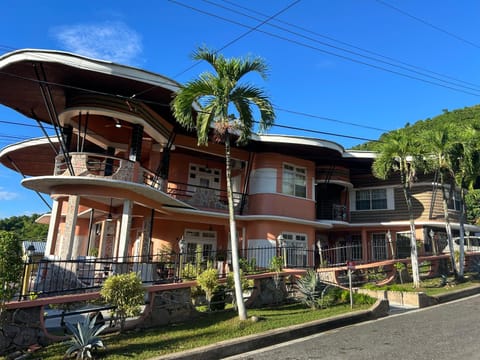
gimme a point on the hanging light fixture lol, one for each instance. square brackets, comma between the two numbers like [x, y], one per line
[109, 216]
[117, 124]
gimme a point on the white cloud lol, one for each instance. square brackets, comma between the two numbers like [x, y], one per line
[7, 195]
[111, 40]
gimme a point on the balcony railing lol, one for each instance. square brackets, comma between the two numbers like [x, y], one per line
[52, 277]
[205, 197]
[111, 167]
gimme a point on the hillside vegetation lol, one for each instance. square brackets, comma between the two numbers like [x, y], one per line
[25, 227]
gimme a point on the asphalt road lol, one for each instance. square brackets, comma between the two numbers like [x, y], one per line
[447, 331]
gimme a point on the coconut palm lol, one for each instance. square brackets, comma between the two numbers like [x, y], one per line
[466, 168]
[440, 147]
[218, 94]
[397, 153]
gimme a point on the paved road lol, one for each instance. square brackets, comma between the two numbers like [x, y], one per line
[448, 331]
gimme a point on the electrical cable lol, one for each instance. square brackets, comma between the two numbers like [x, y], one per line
[454, 87]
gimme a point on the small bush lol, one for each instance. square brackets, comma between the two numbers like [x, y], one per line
[208, 281]
[126, 293]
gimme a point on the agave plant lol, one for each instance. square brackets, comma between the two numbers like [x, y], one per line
[85, 338]
[310, 289]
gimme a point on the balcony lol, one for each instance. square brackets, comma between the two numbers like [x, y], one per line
[205, 197]
[114, 168]
[335, 212]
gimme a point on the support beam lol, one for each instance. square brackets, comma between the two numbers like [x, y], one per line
[69, 244]
[125, 229]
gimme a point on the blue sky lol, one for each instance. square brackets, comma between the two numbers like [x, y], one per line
[356, 68]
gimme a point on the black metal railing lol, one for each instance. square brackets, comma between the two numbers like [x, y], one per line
[204, 197]
[52, 277]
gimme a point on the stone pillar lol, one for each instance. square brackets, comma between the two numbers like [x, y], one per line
[125, 226]
[55, 217]
[69, 245]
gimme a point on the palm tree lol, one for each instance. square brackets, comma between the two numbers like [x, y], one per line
[219, 93]
[466, 168]
[441, 150]
[397, 154]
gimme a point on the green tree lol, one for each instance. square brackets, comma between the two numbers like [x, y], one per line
[126, 293]
[219, 93]
[440, 148]
[25, 227]
[11, 267]
[465, 169]
[398, 153]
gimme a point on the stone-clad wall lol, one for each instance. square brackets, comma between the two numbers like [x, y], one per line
[171, 303]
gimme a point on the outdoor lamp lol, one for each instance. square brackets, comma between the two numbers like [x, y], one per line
[30, 252]
[281, 240]
[431, 233]
[182, 244]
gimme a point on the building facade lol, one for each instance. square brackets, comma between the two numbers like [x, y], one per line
[127, 180]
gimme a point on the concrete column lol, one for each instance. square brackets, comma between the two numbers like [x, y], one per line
[125, 228]
[69, 244]
[55, 217]
[364, 245]
[145, 241]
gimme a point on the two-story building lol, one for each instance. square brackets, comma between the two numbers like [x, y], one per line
[127, 180]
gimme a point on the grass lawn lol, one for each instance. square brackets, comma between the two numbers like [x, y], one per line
[433, 286]
[210, 328]
[207, 329]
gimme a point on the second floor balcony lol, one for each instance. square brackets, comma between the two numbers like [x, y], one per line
[110, 167]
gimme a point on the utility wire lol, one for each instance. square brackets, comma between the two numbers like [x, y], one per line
[250, 10]
[168, 105]
[416, 18]
[454, 87]
[241, 36]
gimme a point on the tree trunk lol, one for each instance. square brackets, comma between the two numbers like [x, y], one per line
[413, 239]
[461, 261]
[448, 227]
[242, 312]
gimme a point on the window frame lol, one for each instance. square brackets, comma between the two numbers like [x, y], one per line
[369, 201]
[294, 180]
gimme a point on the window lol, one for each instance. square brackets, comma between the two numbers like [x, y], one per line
[454, 203]
[294, 181]
[201, 245]
[204, 177]
[379, 246]
[296, 249]
[403, 245]
[372, 199]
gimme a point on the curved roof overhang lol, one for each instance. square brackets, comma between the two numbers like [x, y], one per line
[305, 147]
[97, 187]
[35, 157]
[66, 75]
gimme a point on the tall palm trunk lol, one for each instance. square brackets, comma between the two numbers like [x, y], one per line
[242, 312]
[461, 261]
[413, 237]
[448, 227]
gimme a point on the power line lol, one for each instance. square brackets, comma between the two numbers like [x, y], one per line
[18, 123]
[346, 43]
[241, 36]
[403, 12]
[454, 87]
[328, 119]
[168, 105]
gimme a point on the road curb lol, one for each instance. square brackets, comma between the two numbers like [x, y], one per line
[252, 342]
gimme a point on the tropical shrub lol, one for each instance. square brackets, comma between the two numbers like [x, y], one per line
[310, 289]
[126, 293]
[11, 267]
[208, 282]
[85, 338]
